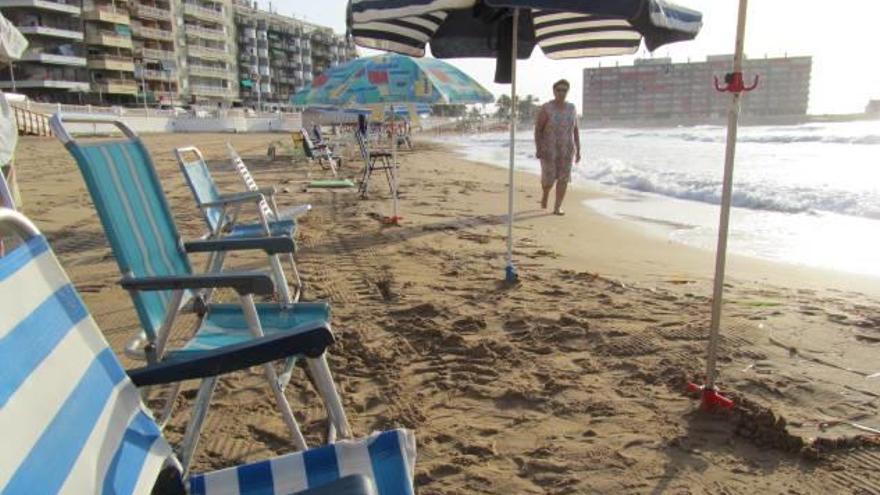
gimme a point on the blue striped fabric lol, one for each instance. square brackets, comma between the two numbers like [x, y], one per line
[136, 218]
[202, 185]
[70, 419]
[225, 325]
[387, 458]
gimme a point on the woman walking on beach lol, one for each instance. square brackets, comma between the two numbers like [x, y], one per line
[557, 143]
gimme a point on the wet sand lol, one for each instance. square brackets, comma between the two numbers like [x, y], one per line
[570, 382]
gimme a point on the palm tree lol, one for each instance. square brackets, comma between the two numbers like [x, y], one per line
[527, 108]
[503, 107]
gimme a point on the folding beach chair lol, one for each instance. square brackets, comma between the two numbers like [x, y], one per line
[137, 220]
[321, 153]
[221, 212]
[373, 161]
[72, 420]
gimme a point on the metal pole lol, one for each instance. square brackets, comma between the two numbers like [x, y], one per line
[510, 270]
[726, 190]
[12, 76]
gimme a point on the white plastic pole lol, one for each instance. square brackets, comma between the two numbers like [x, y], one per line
[510, 270]
[727, 187]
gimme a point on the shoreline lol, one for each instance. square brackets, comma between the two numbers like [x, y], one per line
[692, 261]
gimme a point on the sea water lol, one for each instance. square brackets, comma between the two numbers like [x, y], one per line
[806, 194]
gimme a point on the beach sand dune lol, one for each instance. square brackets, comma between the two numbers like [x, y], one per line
[570, 382]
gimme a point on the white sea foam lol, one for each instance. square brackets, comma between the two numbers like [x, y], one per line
[790, 183]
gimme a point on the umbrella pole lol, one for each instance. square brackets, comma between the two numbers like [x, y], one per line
[711, 399]
[395, 203]
[510, 274]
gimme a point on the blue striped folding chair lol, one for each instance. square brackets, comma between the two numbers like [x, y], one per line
[221, 212]
[72, 420]
[320, 153]
[137, 220]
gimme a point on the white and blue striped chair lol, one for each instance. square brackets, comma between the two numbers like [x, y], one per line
[72, 421]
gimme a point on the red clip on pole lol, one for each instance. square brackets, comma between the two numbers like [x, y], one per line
[735, 83]
[711, 400]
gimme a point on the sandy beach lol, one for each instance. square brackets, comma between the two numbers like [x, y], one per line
[570, 382]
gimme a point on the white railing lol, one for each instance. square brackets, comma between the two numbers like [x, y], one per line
[203, 70]
[205, 32]
[201, 89]
[151, 12]
[197, 10]
[148, 32]
[153, 53]
[210, 52]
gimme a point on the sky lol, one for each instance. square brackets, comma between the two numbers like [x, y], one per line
[846, 69]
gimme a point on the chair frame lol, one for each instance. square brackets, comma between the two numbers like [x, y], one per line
[230, 206]
[151, 346]
[373, 161]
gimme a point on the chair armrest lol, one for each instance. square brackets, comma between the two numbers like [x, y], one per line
[242, 282]
[310, 339]
[271, 245]
[234, 198]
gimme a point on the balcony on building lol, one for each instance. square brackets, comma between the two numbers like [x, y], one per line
[141, 31]
[73, 60]
[154, 53]
[107, 61]
[207, 90]
[218, 72]
[194, 30]
[204, 12]
[66, 7]
[156, 12]
[106, 37]
[33, 76]
[115, 86]
[106, 13]
[50, 25]
[208, 52]
[155, 74]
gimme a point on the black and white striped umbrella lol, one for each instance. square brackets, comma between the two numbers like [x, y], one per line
[476, 28]
[507, 30]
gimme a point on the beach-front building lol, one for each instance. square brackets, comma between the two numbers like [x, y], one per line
[167, 52]
[279, 55]
[54, 66]
[659, 90]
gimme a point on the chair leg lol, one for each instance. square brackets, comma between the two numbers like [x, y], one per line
[284, 406]
[300, 288]
[194, 428]
[320, 372]
[280, 280]
[165, 415]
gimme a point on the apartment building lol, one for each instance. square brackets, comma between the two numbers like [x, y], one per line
[169, 52]
[154, 36]
[54, 66]
[279, 55]
[661, 90]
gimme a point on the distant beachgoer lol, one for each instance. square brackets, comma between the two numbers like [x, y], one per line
[557, 144]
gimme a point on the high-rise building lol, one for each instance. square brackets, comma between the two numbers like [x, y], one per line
[154, 36]
[208, 49]
[657, 89]
[130, 52]
[54, 66]
[109, 51]
[279, 55]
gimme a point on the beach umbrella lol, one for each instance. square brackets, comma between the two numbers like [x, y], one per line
[734, 84]
[510, 29]
[12, 42]
[391, 79]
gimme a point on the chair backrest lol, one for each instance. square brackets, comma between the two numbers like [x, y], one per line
[308, 147]
[362, 144]
[137, 220]
[70, 419]
[200, 182]
[316, 130]
[249, 181]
